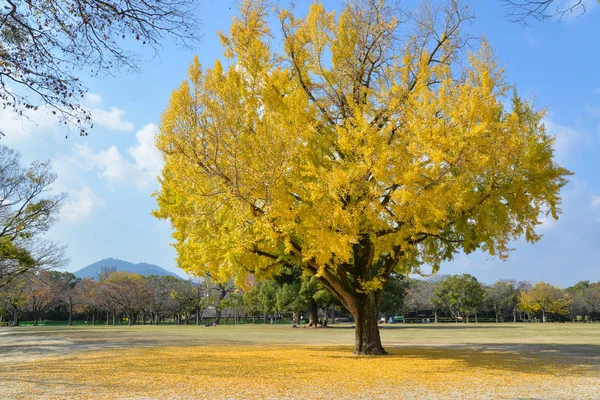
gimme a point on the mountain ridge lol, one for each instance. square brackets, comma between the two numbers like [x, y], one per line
[93, 270]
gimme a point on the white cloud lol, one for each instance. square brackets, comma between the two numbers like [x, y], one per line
[145, 153]
[595, 202]
[111, 119]
[81, 205]
[93, 100]
[19, 129]
[567, 138]
[114, 166]
[34, 126]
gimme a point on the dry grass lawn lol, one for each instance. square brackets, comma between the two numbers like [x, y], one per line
[428, 361]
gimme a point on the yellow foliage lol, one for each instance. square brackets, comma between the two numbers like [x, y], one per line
[259, 372]
[347, 141]
[545, 298]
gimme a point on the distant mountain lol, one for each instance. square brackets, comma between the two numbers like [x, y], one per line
[95, 269]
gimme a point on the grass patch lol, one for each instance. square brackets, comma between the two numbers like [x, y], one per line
[445, 361]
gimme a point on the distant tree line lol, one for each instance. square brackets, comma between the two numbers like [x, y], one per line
[119, 297]
[127, 298]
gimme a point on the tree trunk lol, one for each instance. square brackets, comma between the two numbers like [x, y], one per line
[514, 317]
[15, 316]
[366, 336]
[475, 317]
[314, 314]
[70, 323]
[543, 316]
[435, 316]
[333, 314]
[496, 316]
[93, 318]
[218, 314]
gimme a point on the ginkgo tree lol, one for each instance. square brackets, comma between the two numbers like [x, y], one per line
[369, 142]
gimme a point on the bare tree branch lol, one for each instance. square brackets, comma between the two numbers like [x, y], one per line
[45, 46]
[542, 10]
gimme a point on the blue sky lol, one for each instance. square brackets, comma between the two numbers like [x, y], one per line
[110, 174]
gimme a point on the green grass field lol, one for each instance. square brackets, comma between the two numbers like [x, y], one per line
[426, 361]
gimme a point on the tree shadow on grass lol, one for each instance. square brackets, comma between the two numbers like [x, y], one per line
[553, 359]
[30, 347]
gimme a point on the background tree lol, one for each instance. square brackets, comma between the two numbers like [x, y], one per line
[47, 45]
[502, 297]
[217, 292]
[27, 211]
[234, 306]
[14, 297]
[290, 300]
[64, 284]
[310, 293]
[89, 298]
[201, 299]
[592, 296]
[522, 286]
[160, 288]
[394, 295]
[324, 299]
[419, 297]
[252, 302]
[364, 147]
[267, 295]
[545, 298]
[183, 296]
[41, 294]
[129, 292]
[580, 295]
[460, 295]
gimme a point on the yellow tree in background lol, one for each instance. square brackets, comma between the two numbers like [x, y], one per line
[367, 143]
[545, 298]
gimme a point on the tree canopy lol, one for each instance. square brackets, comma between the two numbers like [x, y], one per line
[460, 295]
[545, 298]
[368, 143]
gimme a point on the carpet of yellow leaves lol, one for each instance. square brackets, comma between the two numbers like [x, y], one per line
[224, 371]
